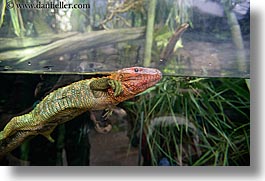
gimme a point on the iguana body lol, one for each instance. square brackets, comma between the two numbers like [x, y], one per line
[70, 101]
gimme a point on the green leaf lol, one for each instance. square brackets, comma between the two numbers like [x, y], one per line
[15, 21]
[2, 12]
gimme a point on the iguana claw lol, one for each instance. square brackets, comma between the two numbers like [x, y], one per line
[116, 86]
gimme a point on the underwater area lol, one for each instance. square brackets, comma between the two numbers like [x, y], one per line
[196, 114]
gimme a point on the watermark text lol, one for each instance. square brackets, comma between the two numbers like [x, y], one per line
[48, 5]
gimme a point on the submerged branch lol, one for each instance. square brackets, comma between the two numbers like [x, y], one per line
[70, 44]
[13, 142]
[167, 51]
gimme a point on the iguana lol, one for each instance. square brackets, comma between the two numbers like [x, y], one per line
[67, 102]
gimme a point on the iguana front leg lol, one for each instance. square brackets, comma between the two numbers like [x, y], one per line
[104, 83]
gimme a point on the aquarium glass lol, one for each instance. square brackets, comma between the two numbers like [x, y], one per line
[197, 114]
[100, 36]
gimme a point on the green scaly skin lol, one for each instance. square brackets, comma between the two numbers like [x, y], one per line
[67, 102]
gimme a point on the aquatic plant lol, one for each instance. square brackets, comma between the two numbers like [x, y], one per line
[194, 121]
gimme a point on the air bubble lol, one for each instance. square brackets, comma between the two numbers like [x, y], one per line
[48, 67]
[7, 68]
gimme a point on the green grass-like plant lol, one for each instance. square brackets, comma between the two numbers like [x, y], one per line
[194, 121]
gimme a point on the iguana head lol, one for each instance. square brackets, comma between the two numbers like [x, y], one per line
[135, 80]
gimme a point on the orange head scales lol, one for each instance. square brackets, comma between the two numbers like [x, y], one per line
[134, 80]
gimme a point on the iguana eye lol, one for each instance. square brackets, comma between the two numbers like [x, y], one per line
[136, 69]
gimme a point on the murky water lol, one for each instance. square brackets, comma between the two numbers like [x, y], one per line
[180, 116]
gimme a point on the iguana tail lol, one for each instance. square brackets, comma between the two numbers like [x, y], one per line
[15, 124]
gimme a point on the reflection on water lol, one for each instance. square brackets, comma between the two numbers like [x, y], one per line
[216, 44]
